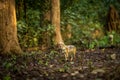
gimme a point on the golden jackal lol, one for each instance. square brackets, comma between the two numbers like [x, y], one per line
[68, 50]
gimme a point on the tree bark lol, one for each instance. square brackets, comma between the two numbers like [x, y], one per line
[8, 30]
[68, 33]
[45, 20]
[20, 9]
[55, 18]
[113, 20]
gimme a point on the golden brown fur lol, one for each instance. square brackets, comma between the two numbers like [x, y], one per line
[69, 51]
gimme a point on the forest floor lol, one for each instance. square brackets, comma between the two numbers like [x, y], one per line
[98, 64]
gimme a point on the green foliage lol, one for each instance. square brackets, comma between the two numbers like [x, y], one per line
[7, 77]
[52, 54]
[7, 65]
[65, 68]
[116, 37]
[103, 42]
[86, 17]
[10, 62]
[30, 33]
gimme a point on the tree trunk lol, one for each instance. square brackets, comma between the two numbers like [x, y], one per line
[47, 22]
[21, 8]
[25, 8]
[68, 33]
[44, 22]
[55, 18]
[8, 30]
[113, 21]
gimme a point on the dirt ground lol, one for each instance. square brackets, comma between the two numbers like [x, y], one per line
[98, 64]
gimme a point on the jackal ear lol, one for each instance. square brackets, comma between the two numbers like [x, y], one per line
[62, 43]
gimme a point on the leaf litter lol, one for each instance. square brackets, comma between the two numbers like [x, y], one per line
[97, 64]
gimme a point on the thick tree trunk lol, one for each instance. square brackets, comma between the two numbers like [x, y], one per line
[55, 18]
[113, 20]
[8, 30]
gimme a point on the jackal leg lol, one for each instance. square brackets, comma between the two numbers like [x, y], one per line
[66, 54]
[74, 52]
